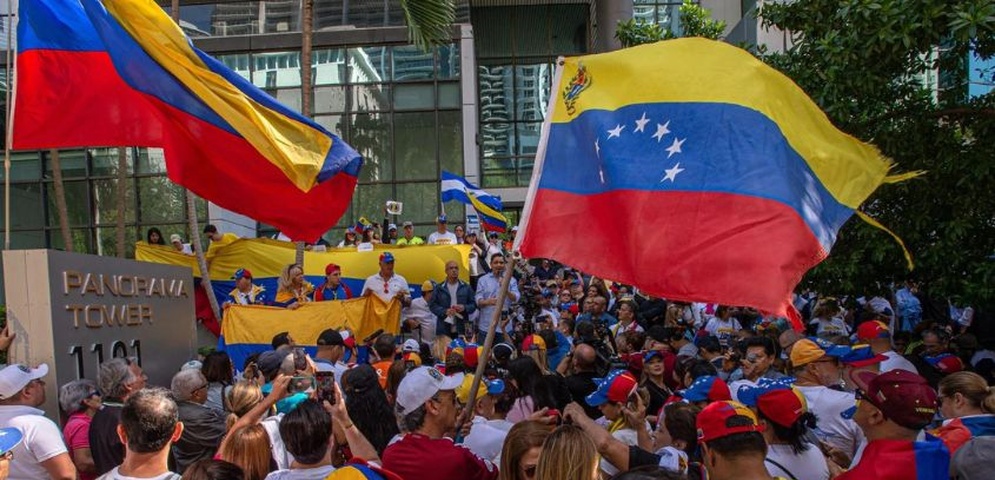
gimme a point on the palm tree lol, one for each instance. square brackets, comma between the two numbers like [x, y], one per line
[429, 21]
[122, 207]
[307, 90]
[60, 200]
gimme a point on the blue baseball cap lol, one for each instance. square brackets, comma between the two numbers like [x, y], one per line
[441, 219]
[706, 388]
[9, 438]
[831, 349]
[387, 257]
[749, 395]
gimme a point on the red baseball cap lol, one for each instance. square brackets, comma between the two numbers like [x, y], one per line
[872, 329]
[783, 406]
[617, 386]
[902, 396]
[533, 342]
[331, 267]
[714, 420]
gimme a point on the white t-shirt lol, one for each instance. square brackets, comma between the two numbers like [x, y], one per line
[827, 405]
[724, 329]
[808, 465]
[448, 238]
[487, 437]
[114, 474]
[419, 310]
[317, 473]
[281, 456]
[41, 441]
[896, 361]
[376, 284]
[627, 436]
[830, 328]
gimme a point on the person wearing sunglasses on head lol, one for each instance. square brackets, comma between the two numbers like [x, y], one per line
[203, 427]
[81, 400]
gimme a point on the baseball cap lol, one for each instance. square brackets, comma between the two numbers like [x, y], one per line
[330, 337]
[441, 219]
[777, 399]
[714, 420]
[269, 362]
[617, 386]
[359, 469]
[420, 385]
[493, 234]
[412, 357]
[242, 273]
[706, 388]
[946, 363]
[486, 387]
[351, 230]
[13, 378]
[391, 227]
[387, 257]
[902, 396]
[410, 345]
[533, 342]
[503, 351]
[806, 351]
[331, 267]
[471, 233]
[514, 229]
[175, 238]
[861, 356]
[9, 438]
[407, 224]
[872, 329]
[427, 286]
[192, 365]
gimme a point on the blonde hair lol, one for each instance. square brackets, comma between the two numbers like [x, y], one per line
[242, 397]
[286, 281]
[972, 386]
[439, 347]
[539, 355]
[568, 454]
[522, 437]
[248, 447]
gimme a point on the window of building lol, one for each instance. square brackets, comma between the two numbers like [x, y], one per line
[665, 13]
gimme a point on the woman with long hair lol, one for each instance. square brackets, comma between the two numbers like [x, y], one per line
[967, 404]
[568, 454]
[521, 450]
[368, 407]
[220, 374]
[292, 289]
[248, 447]
[395, 374]
[242, 397]
[654, 381]
[535, 390]
[154, 237]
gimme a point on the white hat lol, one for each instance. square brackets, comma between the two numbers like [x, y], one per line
[13, 378]
[410, 345]
[420, 385]
[174, 238]
[192, 365]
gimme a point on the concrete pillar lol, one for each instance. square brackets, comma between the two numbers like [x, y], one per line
[607, 14]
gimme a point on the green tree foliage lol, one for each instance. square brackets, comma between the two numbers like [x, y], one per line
[429, 21]
[695, 22]
[873, 65]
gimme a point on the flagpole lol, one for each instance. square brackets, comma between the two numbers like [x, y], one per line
[485, 350]
[10, 131]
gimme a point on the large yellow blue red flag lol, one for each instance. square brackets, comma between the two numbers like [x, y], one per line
[693, 171]
[122, 73]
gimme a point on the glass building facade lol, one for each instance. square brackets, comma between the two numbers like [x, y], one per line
[474, 107]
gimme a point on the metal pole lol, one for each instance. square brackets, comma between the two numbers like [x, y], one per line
[10, 131]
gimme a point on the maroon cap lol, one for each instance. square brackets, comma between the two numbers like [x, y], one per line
[902, 396]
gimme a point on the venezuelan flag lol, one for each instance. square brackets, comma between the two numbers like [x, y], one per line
[488, 207]
[121, 73]
[693, 171]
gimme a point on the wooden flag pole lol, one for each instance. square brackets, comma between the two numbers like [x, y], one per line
[485, 350]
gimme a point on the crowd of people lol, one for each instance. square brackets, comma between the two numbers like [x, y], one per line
[586, 379]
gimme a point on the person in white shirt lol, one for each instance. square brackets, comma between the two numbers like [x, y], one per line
[149, 425]
[178, 244]
[489, 427]
[723, 325]
[419, 317]
[441, 236]
[386, 284]
[815, 370]
[42, 452]
[876, 334]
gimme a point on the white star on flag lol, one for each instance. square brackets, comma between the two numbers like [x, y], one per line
[617, 131]
[671, 173]
[676, 147]
[597, 148]
[641, 123]
[661, 130]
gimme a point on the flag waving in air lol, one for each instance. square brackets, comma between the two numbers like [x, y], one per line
[455, 187]
[735, 181]
[121, 73]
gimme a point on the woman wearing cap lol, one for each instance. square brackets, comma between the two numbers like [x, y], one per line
[349, 240]
[653, 380]
[783, 412]
[292, 289]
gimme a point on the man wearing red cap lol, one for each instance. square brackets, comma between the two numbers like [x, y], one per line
[731, 442]
[333, 288]
[245, 292]
[876, 334]
[892, 409]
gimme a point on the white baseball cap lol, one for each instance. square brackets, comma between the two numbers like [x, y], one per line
[421, 384]
[13, 378]
[410, 345]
